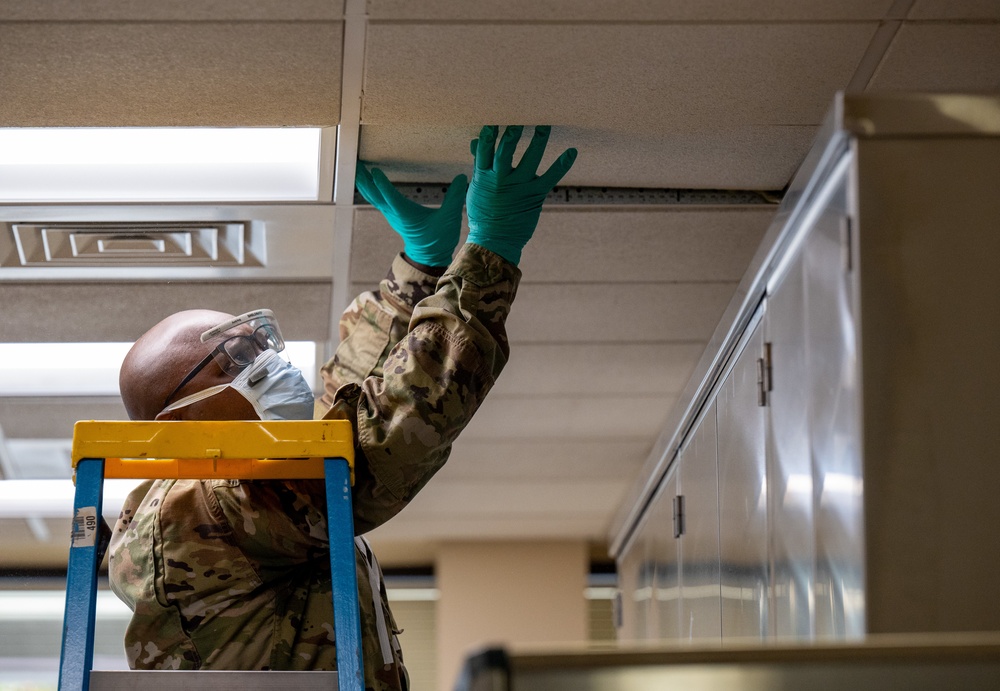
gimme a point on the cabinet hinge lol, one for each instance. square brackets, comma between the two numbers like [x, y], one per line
[846, 242]
[678, 515]
[764, 372]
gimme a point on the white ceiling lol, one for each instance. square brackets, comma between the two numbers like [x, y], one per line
[617, 300]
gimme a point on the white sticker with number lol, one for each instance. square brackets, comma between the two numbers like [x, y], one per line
[85, 527]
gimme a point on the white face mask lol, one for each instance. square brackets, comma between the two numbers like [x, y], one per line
[275, 389]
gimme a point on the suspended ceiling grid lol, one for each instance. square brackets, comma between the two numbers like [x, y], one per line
[617, 301]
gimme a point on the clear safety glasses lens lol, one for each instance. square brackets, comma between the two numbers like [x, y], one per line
[236, 352]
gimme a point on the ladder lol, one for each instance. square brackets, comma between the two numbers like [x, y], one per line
[251, 450]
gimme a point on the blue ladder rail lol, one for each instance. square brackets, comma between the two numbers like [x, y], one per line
[86, 551]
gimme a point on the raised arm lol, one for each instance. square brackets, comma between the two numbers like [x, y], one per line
[436, 377]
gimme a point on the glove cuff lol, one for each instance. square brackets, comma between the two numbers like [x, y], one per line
[507, 247]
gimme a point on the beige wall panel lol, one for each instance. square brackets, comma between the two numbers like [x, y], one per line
[122, 311]
[503, 593]
[750, 158]
[612, 313]
[548, 417]
[645, 78]
[20, 548]
[605, 244]
[629, 10]
[950, 9]
[544, 459]
[170, 74]
[177, 10]
[598, 369]
[941, 57]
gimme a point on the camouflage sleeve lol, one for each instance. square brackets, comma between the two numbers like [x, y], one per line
[372, 325]
[431, 382]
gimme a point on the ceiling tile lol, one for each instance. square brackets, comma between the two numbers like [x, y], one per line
[661, 244]
[484, 526]
[373, 246]
[750, 158]
[627, 10]
[544, 459]
[53, 418]
[616, 313]
[170, 74]
[941, 57]
[949, 9]
[449, 497]
[573, 244]
[176, 10]
[598, 369]
[628, 78]
[123, 311]
[514, 417]
[536, 509]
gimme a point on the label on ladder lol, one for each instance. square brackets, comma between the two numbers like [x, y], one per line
[85, 527]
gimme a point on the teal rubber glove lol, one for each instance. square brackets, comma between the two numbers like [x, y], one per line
[429, 235]
[504, 202]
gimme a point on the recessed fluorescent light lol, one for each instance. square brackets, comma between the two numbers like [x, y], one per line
[159, 164]
[27, 606]
[54, 498]
[91, 369]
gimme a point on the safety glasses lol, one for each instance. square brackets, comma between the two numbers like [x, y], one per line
[235, 353]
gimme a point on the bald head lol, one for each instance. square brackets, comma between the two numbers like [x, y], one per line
[161, 358]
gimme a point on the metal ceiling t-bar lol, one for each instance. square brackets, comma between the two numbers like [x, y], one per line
[348, 134]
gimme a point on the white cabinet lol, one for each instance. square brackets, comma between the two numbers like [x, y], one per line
[836, 458]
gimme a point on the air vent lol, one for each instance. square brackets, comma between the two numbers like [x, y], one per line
[133, 244]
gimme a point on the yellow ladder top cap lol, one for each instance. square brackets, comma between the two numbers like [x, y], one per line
[229, 439]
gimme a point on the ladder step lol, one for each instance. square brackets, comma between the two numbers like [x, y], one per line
[216, 680]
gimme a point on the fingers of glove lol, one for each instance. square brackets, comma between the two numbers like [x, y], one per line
[484, 147]
[503, 161]
[396, 201]
[557, 170]
[528, 166]
[366, 186]
[454, 198]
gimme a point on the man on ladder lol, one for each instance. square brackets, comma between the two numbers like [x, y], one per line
[229, 574]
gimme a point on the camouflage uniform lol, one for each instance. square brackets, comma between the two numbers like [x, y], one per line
[229, 574]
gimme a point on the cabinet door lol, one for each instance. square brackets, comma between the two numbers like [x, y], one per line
[834, 429]
[642, 569]
[666, 591]
[629, 564]
[743, 496]
[790, 476]
[698, 483]
[648, 572]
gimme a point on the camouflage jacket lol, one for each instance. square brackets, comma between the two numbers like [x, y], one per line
[230, 574]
